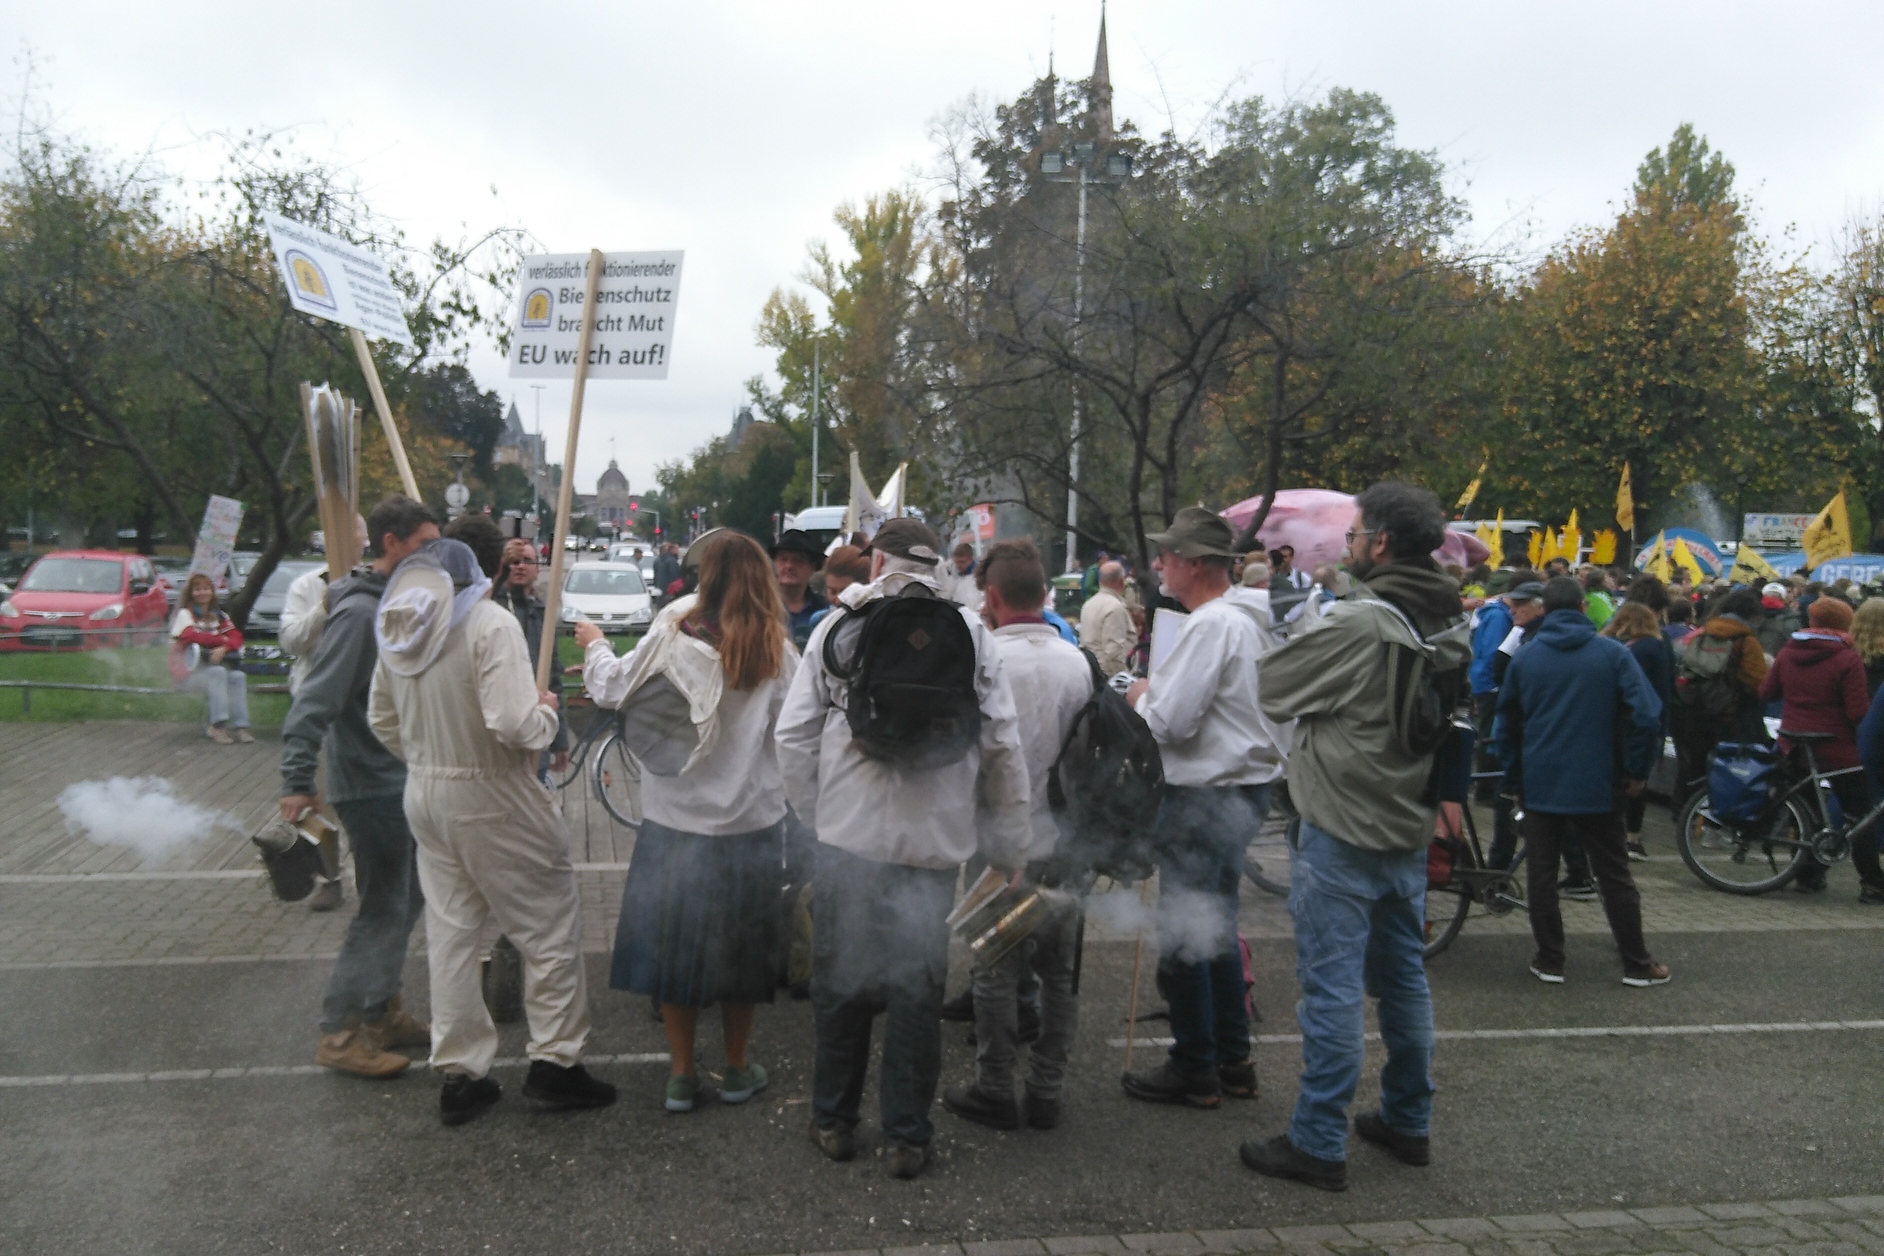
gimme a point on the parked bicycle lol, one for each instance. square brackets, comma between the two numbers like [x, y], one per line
[1800, 822]
[613, 772]
[1469, 879]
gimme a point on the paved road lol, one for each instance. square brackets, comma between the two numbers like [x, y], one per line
[239, 1145]
[317, 1163]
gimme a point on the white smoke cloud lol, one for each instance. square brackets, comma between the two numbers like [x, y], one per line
[1187, 924]
[143, 813]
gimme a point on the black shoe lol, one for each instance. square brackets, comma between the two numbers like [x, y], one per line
[1637, 851]
[467, 1098]
[1237, 1081]
[972, 1103]
[905, 1160]
[1582, 891]
[570, 1087]
[1870, 895]
[1406, 1148]
[1166, 1084]
[1279, 1158]
[838, 1143]
[1041, 1113]
[959, 1008]
[1811, 881]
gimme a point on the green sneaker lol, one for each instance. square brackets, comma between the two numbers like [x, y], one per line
[740, 1084]
[680, 1092]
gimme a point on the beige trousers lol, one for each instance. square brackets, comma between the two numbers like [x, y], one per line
[493, 848]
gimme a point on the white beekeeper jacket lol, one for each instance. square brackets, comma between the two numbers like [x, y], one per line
[918, 817]
[1051, 682]
[1203, 702]
[731, 782]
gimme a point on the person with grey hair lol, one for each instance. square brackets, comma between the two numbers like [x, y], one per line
[1255, 574]
[892, 830]
[1105, 622]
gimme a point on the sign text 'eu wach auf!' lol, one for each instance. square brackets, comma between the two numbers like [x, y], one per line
[635, 301]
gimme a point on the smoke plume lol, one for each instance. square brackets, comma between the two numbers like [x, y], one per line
[143, 813]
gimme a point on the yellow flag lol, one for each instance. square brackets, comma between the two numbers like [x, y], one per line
[1658, 565]
[1603, 548]
[1750, 568]
[1829, 536]
[1471, 490]
[1497, 543]
[1685, 559]
[1571, 543]
[1625, 503]
[1484, 533]
[1553, 547]
[1534, 549]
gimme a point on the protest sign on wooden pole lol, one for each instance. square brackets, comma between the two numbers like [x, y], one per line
[565, 488]
[384, 411]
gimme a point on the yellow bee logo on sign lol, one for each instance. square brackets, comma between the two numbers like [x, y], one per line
[536, 308]
[310, 281]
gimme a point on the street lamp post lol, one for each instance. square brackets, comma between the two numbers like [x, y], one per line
[1118, 169]
[816, 381]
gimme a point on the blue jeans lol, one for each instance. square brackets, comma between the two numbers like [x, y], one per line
[1202, 834]
[1359, 929]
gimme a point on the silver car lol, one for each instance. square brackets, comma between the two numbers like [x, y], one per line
[265, 615]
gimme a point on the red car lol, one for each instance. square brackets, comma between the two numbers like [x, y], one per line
[66, 598]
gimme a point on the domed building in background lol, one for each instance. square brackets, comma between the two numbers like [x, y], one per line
[611, 497]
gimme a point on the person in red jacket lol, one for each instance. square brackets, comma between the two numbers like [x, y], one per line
[1818, 679]
[209, 667]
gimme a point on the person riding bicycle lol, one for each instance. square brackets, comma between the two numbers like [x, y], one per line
[1818, 679]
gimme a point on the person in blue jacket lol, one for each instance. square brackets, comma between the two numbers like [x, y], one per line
[1578, 731]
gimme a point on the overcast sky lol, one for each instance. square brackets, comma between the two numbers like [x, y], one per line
[731, 130]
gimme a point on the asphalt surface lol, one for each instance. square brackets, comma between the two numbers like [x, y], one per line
[328, 1164]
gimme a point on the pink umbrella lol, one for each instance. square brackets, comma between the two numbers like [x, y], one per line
[1315, 522]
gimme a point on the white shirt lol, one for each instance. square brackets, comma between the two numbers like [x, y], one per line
[918, 817]
[957, 587]
[1051, 682]
[303, 619]
[1203, 704]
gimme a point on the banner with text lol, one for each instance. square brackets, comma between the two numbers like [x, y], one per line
[332, 279]
[216, 539]
[634, 324]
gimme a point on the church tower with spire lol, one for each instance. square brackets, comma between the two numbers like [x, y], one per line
[1102, 85]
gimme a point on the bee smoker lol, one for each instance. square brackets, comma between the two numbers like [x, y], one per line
[295, 854]
[994, 917]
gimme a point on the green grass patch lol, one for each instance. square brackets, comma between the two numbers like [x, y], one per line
[144, 667]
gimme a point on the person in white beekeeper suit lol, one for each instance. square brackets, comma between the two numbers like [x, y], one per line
[454, 697]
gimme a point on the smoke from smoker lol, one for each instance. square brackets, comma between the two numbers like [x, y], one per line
[1187, 925]
[142, 813]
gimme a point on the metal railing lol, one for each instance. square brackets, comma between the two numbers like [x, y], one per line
[26, 688]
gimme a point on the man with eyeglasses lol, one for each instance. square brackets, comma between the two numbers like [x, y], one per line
[1358, 877]
[516, 592]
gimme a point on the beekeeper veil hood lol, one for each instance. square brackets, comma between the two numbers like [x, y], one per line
[428, 595]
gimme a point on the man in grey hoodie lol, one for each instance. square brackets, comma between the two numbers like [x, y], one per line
[1358, 879]
[361, 1015]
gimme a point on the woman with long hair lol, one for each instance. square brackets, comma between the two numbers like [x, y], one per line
[1637, 626]
[202, 641]
[1867, 634]
[700, 915]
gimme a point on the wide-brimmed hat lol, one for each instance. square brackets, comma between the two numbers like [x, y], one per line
[1196, 533]
[906, 538]
[798, 541]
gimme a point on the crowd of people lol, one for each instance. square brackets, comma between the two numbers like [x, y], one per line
[829, 741]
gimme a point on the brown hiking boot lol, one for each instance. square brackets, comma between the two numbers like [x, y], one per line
[352, 1051]
[400, 1028]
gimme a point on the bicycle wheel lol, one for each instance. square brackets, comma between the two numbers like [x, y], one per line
[1266, 858]
[571, 770]
[1447, 905]
[618, 780]
[1749, 860]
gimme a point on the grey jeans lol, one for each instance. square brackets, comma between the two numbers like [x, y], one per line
[372, 962]
[1049, 953]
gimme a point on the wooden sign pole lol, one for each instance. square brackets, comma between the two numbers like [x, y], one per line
[565, 490]
[398, 448]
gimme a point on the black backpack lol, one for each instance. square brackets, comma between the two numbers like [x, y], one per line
[911, 697]
[1104, 791]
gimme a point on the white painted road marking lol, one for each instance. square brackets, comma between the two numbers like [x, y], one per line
[268, 1070]
[1575, 1031]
